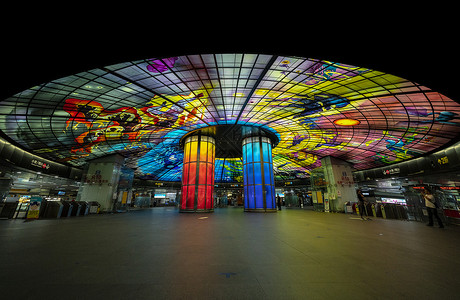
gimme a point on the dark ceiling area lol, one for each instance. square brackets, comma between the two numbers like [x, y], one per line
[409, 51]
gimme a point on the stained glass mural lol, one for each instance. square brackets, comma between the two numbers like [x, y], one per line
[142, 108]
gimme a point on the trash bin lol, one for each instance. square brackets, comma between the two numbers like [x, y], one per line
[355, 208]
[94, 207]
[347, 208]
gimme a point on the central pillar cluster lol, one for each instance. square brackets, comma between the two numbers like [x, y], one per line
[253, 144]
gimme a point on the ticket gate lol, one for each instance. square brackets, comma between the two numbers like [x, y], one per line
[66, 209]
[53, 209]
[76, 208]
[84, 210]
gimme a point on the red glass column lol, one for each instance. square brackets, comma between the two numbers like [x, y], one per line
[198, 174]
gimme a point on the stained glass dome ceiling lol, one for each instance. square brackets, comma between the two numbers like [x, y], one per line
[316, 108]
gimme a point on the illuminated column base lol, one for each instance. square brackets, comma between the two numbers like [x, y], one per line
[198, 174]
[259, 183]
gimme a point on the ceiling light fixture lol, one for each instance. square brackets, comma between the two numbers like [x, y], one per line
[346, 122]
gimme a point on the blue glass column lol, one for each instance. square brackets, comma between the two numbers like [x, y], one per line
[259, 183]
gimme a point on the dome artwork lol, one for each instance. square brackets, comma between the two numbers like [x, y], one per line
[315, 108]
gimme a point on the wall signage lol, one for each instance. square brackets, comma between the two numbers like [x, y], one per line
[450, 188]
[40, 164]
[94, 178]
[418, 187]
[443, 160]
[391, 171]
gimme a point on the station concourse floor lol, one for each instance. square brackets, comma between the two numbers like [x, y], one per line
[159, 253]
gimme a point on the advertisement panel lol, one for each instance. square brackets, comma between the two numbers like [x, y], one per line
[34, 208]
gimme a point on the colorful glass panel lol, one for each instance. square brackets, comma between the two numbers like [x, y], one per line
[140, 109]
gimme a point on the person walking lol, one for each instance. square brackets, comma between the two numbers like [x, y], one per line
[430, 203]
[278, 200]
[360, 203]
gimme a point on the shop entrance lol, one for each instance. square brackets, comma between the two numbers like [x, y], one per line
[229, 197]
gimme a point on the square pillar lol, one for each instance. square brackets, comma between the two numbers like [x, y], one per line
[340, 185]
[101, 182]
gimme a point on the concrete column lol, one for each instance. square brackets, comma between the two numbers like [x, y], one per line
[101, 182]
[340, 185]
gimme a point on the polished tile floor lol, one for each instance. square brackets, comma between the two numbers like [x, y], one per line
[293, 254]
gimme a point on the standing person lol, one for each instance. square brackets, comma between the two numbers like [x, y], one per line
[430, 204]
[278, 199]
[360, 203]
